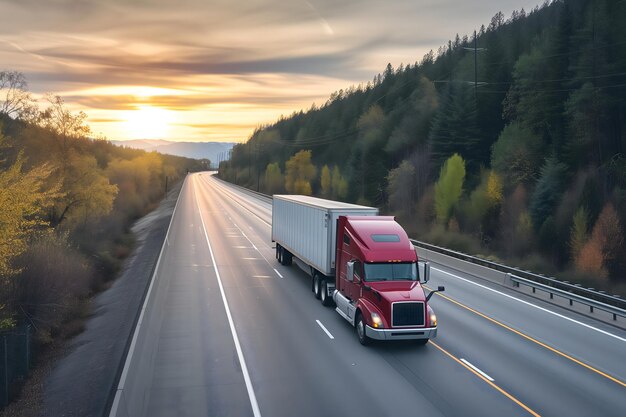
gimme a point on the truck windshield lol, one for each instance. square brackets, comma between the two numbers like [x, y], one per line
[391, 272]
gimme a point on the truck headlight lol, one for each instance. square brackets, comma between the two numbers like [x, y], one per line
[433, 317]
[377, 321]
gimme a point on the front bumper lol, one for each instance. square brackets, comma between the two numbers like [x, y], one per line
[401, 334]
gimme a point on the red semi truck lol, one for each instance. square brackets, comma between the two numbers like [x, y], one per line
[363, 262]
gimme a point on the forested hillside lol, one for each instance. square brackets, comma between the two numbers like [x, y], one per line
[509, 144]
[66, 206]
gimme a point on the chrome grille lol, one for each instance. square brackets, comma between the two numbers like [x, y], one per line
[407, 314]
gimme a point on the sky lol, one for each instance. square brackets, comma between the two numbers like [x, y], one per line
[213, 70]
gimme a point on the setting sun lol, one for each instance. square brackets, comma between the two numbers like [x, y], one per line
[148, 123]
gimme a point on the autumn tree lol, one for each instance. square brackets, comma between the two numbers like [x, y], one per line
[339, 185]
[67, 126]
[483, 207]
[299, 173]
[602, 250]
[15, 99]
[326, 182]
[24, 197]
[579, 232]
[449, 187]
[87, 191]
[274, 179]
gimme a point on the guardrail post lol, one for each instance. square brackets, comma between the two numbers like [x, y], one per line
[591, 309]
[614, 316]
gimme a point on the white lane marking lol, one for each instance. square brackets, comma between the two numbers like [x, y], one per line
[533, 305]
[252, 259]
[133, 343]
[242, 247]
[325, 329]
[277, 273]
[477, 370]
[253, 245]
[244, 368]
[261, 276]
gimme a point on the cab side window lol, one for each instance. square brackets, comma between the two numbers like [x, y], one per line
[358, 270]
[346, 239]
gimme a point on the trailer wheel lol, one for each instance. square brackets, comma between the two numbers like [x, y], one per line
[287, 257]
[317, 285]
[326, 300]
[360, 330]
[279, 254]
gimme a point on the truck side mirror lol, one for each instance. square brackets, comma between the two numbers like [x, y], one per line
[439, 289]
[350, 271]
[426, 272]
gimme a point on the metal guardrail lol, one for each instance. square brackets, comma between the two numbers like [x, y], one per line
[613, 304]
[246, 190]
[571, 297]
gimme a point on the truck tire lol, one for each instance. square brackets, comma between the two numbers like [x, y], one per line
[421, 342]
[317, 285]
[326, 300]
[279, 254]
[287, 257]
[360, 330]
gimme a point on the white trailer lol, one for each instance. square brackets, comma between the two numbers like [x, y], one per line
[306, 227]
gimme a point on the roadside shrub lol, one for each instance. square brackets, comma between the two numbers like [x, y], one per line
[54, 276]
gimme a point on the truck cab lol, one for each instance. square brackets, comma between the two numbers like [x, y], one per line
[378, 287]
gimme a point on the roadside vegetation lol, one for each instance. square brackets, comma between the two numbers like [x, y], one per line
[67, 202]
[519, 156]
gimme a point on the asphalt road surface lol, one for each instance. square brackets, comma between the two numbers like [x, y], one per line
[242, 335]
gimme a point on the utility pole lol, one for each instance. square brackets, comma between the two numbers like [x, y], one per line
[475, 49]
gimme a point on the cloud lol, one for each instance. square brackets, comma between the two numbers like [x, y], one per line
[253, 59]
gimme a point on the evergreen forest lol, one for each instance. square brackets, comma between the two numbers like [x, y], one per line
[508, 143]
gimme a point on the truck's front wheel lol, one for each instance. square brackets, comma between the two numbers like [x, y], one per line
[360, 330]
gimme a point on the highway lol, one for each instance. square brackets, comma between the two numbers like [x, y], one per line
[237, 334]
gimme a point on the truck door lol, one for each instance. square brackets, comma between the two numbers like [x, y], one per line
[354, 284]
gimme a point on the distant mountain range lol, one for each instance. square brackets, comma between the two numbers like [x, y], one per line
[213, 151]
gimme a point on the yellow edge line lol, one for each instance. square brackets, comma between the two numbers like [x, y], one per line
[525, 336]
[503, 392]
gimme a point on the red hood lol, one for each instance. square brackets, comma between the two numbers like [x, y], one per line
[393, 291]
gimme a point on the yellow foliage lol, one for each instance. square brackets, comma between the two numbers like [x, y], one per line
[88, 192]
[273, 178]
[339, 185]
[299, 173]
[325, 182]
[23, 198]
[449, 187]
[494, 189]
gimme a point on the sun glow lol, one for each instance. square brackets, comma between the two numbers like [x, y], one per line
[148, 123]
